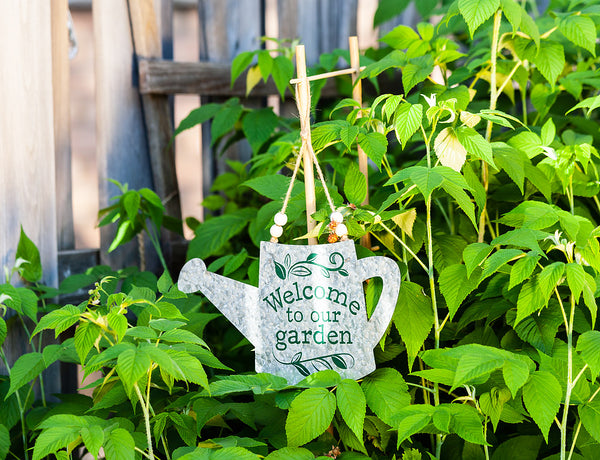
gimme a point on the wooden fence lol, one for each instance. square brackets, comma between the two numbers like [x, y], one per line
[134, 77]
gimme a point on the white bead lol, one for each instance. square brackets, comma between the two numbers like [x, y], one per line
[280, 219]
[337, 217]
[341, 230]
[276, 231]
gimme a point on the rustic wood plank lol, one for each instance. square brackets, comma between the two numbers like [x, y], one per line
[121, 146]
[227, 27]
[27, 177]
[157, 115]
[62, 124]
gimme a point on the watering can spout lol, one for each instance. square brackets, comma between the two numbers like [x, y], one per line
[237, 301]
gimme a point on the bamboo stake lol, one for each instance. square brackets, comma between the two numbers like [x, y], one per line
[303, 102]
[357, 96]
[334, 73]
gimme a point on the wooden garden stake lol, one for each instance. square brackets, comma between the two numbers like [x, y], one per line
[357, 96]
[303, 103]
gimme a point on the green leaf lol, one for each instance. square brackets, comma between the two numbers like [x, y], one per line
[374, 145]
[589, 413]
[93, 438]
[531, 214]
[512, 11]
[233, 453]
[348, 134]
[225, 119]
[132, 365]
[512, 161]
[523, 268]
[85, 336]
[351, 403]
[272, 186]
[119, 445]
[542, 395]
[550, 60]
[588, 346]
[464, 421]
[474, 254]
[52, 439]
[258, 126]
[550, 277]
[291, 453]
[265, 64]
[575, 279]
[31, 270]
[497, 260]
[455, 286]
[580, 30]
[515, 373]
[400, 37]
[4, 442]
[239, 64]
[26, 368]
[530, 300]
[190, 366]
[131, 203]
[407, 121]
[539, 330]
[3, 331]
[198, 116]
[310, 414]
[476, 12]
[412, 419]
[548, 132]
[282, 73]
[355, 185]
[426, 180]
[477, 362]
[590, 103]
[529, 27]
[416, 71]
[213, 234]
[475, 144]
[521, 237]
[519, 448]
[386, 393]
[413, 318]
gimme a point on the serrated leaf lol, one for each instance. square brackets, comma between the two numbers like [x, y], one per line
[540, 330]
[548, 132]
[310, 414]
[348, 134]
[475, 144]
[522, 447]
[119, 445]
[413, 318]
[31, 270]
[512, 161]
[52, 439]
[474, 254]
[239, 64]
[93, 438]
[521, 237]
[374, 145]
[465, 422]
[588, 346]
[530, 300]
[406, 221]
[515, 373]
[355, 185]
[407, 121]
[351, 403]
[26, 368]
[550, 60]
[225, 119]
[575, 279]
[291, 453]
[258, 126]
[426, 180]
[412, 419]
[523, 268]
[132, 365]
[455, 286]
[497, 260]
[282, 72]
[542, 395]
[580, 30]
[86, 335]
[198, 116]
[386, 393]
[589, 413]
[400, 37]
[4, 441]
[550, 277]
[253, 76]
[3, 331]
[476, 12]
[512, 11]
[416, 71]
[449, 150]
[475, 362]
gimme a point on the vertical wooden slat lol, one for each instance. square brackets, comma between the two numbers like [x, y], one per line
[27, 171]
[121, 147]
[27, 180]
[157, 115]
[227, 27]
[62, 124]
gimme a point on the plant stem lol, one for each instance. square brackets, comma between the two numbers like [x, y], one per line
[488, 131]
[146, 421]
[570, 384]
[20, 405]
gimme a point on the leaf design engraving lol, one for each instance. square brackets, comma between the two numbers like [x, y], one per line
[287, 261]
[338, 360]
[299, 270]
[280, 270]
[311, 256]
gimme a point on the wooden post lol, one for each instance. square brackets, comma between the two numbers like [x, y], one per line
[62, 124]
[363, 161]
[303, 101]
[157, 116]
[121, 144]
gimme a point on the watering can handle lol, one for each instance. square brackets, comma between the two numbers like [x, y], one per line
[388, 271]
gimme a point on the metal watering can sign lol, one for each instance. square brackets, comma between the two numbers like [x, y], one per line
[308, 312]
